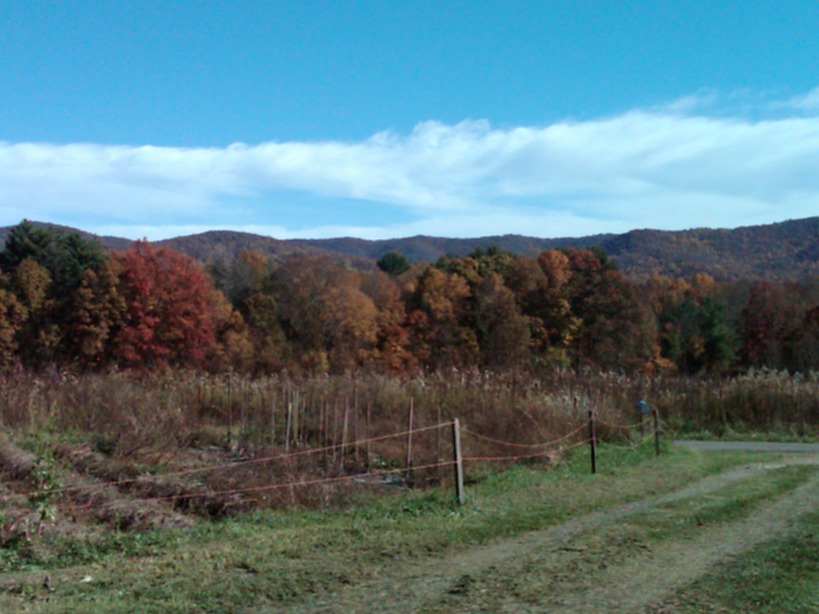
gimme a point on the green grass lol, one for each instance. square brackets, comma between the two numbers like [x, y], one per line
[781, 434]
[535, 577]
[682, 518]
[276, 558]
[779, 576]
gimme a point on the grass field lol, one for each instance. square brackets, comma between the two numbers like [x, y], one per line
[529, 538]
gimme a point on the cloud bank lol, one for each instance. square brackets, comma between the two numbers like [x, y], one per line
[673, 167]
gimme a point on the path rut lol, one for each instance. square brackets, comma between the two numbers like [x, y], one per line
[632, 585]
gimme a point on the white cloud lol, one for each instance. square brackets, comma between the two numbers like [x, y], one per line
[663, 168]
[809, 102]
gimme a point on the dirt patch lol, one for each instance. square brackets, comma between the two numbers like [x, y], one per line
[637, 580]
[80, 497]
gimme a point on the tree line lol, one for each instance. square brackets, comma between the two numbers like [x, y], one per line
[65, 303]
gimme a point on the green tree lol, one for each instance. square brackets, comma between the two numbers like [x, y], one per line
[72, 256]
[26, 241]
[696, 336]
[393, 263]
[64, 256]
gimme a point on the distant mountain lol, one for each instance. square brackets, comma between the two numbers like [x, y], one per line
[783, 251]
[424, 248]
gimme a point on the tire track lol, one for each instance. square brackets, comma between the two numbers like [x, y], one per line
[427, 585]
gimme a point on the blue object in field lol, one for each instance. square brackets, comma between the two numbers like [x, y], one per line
[643, 407]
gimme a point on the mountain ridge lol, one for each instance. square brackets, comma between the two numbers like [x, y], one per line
[782, 251]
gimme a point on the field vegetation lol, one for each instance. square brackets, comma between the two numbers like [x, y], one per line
[124, 453]
[420, 552]
[157, 417]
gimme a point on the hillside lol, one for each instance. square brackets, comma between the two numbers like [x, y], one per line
[783, 251]
[788, 250]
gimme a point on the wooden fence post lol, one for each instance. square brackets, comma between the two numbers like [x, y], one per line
[408, 471]
[344, 434]
[592, 442]
[656, 432]
[273, 393]
[367, 436]
[230, 410]
[288, 425]
[458, 462]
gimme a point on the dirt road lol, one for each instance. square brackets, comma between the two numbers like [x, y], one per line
[598, 562]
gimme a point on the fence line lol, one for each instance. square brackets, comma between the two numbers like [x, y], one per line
[524, 445]
[619, 426]
[335, 479]
[268, 487]
[516, 457]
[633, 446]
[253, 461]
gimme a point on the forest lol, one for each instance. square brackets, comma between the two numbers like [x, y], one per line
[67, 304]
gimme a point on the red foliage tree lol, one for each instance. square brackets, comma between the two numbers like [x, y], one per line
[170, 317]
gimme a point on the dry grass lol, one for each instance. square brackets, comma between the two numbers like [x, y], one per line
[157, 451]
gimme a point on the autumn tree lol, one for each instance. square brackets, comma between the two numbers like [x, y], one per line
[38, 334]
[329, 322]
[169, 318]
[96, 313]
[772, 326]
[12, 317]
[246, 275]
[663, 292]
[559, 325]
[438, 318]
[544, 306]
[503, 332]
[44, 268]
[490, 328]
[479, 263]
[614, 332]
[808, 349]
[247, 283]
[235, 345]
[392, 351]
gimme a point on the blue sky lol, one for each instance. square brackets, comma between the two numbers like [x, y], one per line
[388, 119]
